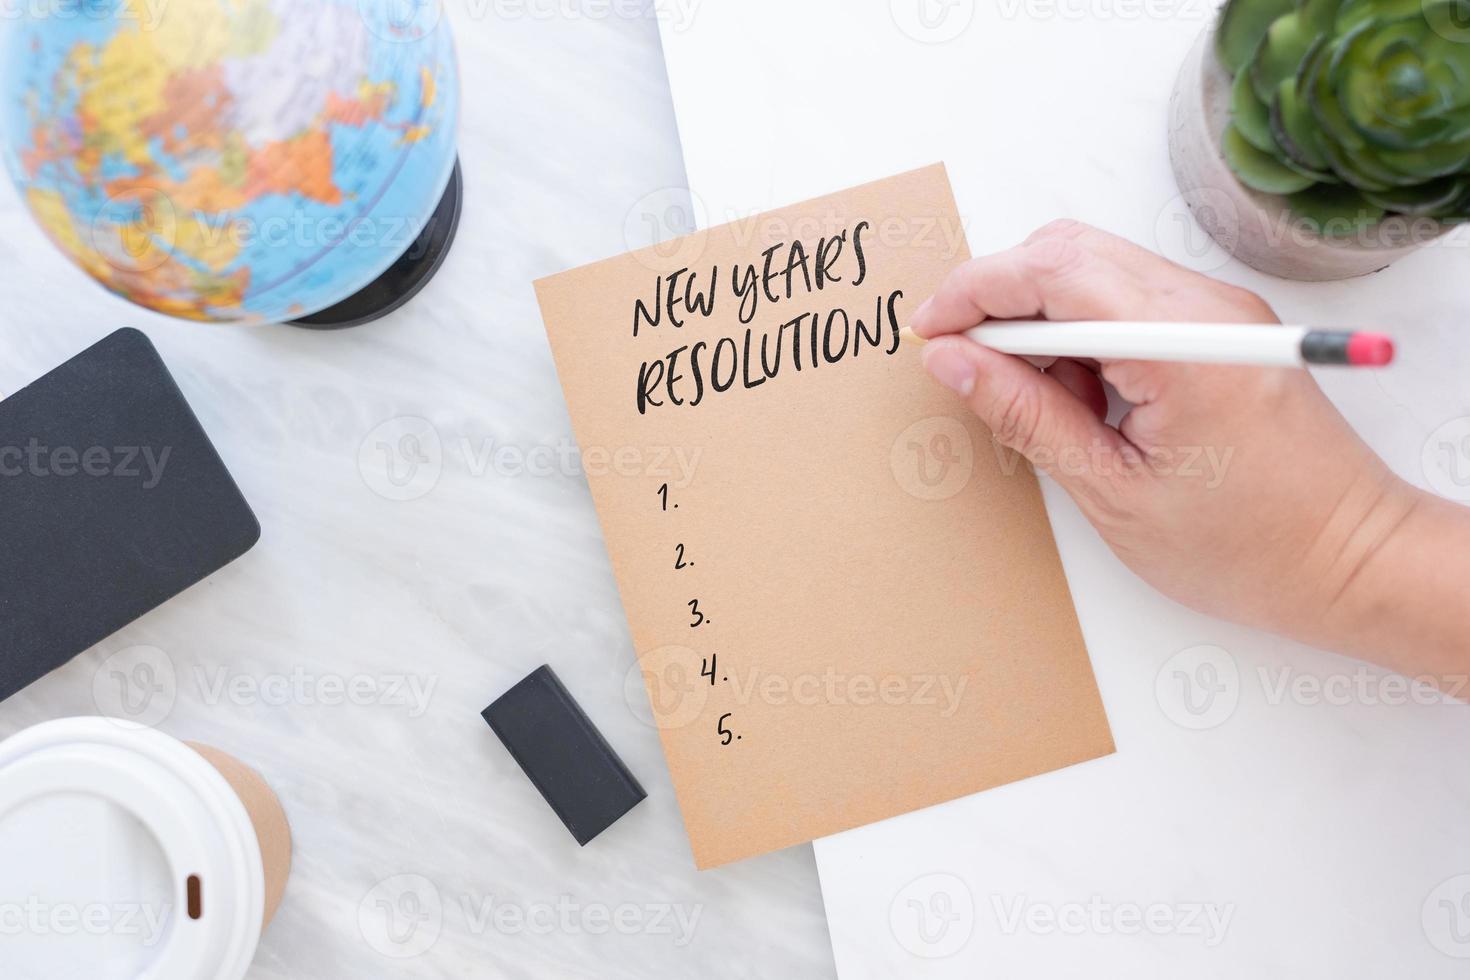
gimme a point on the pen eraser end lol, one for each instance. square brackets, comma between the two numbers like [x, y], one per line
[563, 754]
[1370, 350]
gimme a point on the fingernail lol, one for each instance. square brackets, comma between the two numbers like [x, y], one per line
[950, 368]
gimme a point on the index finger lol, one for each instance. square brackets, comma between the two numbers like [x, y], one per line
[1054, 278]
[1146, 265]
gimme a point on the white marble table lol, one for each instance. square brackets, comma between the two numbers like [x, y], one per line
[1271, 810]
[349, 655]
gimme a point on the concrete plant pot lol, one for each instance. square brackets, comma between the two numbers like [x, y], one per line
[1259, 229]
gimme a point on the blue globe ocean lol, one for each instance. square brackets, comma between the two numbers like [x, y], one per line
[232, 160]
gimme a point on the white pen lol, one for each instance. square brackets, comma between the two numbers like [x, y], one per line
[1205, 343]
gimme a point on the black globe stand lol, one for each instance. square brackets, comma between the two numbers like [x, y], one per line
[406, 276]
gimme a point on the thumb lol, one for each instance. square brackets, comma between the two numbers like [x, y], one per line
[1033, 414]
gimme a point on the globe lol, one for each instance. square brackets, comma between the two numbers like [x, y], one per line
[237, 160]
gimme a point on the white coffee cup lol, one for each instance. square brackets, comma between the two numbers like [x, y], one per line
[127, 853]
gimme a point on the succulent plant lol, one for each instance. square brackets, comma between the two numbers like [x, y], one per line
[1353, 109]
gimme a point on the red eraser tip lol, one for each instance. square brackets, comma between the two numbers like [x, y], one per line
[1370, 349]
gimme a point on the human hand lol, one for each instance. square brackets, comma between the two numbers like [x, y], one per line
[1239, 491]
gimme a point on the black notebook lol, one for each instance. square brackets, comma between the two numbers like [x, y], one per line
[112, 501]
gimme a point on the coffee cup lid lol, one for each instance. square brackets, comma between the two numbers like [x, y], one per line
[123, 849]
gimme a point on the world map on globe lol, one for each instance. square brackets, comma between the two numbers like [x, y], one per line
[231, 160]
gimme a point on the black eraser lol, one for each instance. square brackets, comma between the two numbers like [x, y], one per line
[112, 501]
[564, 754]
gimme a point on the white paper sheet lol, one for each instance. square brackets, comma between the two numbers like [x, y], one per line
[1271, 810]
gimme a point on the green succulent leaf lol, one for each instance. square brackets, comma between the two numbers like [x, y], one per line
[1353, 13]
[1392, 91]
[1431, 199]
[1457, 214]
[1450, 22]
[1243, 23]
[1320, 15]
[1294, 131]
[1362, 169]
[1430, 162]
[1261, 171]
[1315, 86]
[1317, 176]
[1281, 53]
[1252, 116]
[1347, 152]
[1336, 212]
[1459, 211]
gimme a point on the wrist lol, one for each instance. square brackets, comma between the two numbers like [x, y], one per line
[1403, 602]
[1350, 569]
